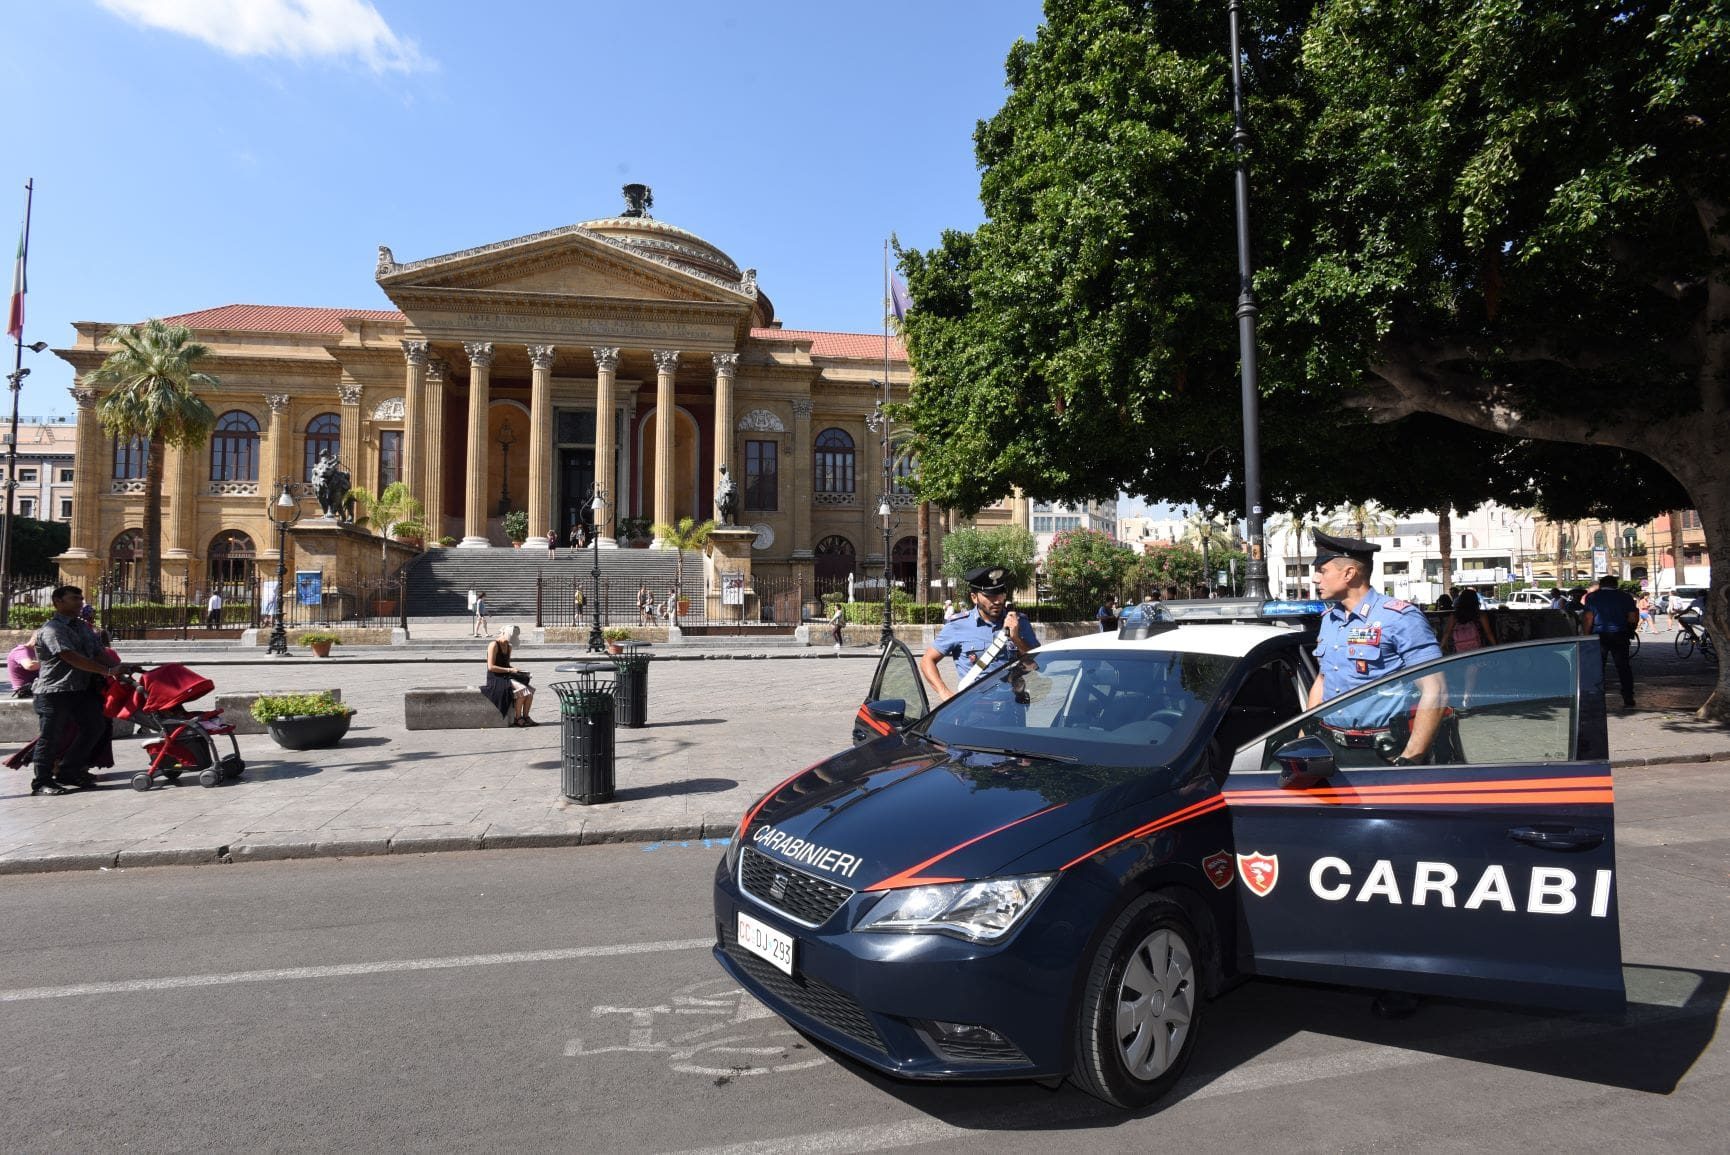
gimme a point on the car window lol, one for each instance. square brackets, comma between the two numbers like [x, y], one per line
[901, 680]
[1501, 705]
[1113, 709]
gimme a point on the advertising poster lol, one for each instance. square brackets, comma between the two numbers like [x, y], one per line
[309, 587]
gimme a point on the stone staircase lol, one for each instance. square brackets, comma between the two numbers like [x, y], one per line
[438, 584]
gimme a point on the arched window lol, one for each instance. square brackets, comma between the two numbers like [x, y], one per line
[231, 557]
[125, 556]
[834, 561]
[906, 468]
[322, 432]
[832, 464]
[904, 564]
[129, 458]
[234, 448]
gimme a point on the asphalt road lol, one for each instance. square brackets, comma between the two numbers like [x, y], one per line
[566, 1000]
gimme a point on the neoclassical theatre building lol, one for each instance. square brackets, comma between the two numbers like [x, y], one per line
[623, 353]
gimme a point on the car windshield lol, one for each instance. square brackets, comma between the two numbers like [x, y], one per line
[1097, 707]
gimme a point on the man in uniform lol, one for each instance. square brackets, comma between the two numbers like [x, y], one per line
[968, 637]
[1612, 615]
[1365, 637]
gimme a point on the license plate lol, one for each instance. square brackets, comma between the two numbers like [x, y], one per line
[766, 943]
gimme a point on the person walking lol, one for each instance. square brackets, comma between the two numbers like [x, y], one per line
[837, 627]
[645, 607]
[69, 717]
[1611, 616]
[1107, 615]
[1647, 625]
[1467, 628]
[479, 629]
[213, 610]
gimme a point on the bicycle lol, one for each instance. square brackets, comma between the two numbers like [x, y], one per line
[1694, 636]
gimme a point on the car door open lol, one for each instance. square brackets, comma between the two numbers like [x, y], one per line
[1487, 871]
[896, 697]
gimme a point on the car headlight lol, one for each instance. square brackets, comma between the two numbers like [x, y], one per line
[983, 911]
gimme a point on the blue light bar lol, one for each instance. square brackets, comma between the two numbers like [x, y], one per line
[1293, 608]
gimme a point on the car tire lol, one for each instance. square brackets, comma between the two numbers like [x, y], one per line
[1141, 1009]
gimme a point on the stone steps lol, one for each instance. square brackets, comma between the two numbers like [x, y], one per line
[439, 584]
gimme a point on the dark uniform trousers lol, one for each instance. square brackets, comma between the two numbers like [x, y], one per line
[70, 723]
[1615, 648]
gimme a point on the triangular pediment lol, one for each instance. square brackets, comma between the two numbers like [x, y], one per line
[571, 261]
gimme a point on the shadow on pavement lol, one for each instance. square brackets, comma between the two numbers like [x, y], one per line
[673, 789]
[1669, 1022]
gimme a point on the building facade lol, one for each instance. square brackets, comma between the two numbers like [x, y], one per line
[623, 356]
[45, 469]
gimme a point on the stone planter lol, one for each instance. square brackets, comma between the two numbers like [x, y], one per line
[309, 731]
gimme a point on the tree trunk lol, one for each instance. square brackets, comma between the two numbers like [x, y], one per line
[153, 470]
[1700, 475]
[922, 571]
[1445, 534]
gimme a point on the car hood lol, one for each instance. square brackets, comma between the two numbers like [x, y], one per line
[898, 812]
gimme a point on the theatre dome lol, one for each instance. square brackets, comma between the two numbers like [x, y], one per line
[636, 229]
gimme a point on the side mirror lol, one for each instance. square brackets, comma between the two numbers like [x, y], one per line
[890, 710]
[1304, 762]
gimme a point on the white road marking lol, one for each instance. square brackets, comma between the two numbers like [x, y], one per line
[1253, 1076]
[341, 970]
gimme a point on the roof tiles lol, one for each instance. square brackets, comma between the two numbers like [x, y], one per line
[278, 318]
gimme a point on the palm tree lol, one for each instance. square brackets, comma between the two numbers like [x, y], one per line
[1362, 521]
[687, 534]
[1298, 523]
[395, 510]
[151, 381]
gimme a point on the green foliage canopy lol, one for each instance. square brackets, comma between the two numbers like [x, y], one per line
[1085, 566]
[1009, 546]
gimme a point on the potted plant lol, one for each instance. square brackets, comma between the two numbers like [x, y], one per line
[517, 526]
[303, 721]
[615, 637]
[320, 641]
[688, 533]
[447, 541]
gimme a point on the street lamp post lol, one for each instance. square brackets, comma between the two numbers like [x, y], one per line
[1256, 576]
[15, 379]
[284, 511]
[597, 507]
[883, 511]
[878, 422]
[1206, 563]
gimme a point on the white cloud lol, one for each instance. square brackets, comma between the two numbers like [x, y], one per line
[295, 29]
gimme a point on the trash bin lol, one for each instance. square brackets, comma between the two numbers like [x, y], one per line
[632, 708]
[586, 736]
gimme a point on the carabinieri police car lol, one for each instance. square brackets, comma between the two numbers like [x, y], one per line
[1050, 874]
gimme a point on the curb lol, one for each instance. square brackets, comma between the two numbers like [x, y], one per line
[1669, 759]
[269, 850]
[815, 653]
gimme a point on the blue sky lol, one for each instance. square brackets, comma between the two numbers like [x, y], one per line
[194, 153]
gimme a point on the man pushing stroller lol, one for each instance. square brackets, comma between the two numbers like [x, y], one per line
[68, 696]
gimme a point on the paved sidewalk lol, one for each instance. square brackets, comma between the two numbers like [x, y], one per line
[721, 734]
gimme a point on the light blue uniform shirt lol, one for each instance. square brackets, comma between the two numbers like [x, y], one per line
[970, 633]
[1357, 647]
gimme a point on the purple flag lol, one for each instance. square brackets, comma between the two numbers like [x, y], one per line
[898, 298]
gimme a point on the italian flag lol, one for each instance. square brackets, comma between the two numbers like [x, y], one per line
[15, 316]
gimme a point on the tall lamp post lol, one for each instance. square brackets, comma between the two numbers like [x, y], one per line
[15, 379]
[597, 507]
[878, 422]
[1256, 577]
[1206, 564]
[284, 511]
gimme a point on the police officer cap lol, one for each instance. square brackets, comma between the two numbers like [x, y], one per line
[1328, 548]
[987, 579]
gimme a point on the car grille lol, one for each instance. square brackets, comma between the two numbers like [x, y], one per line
[805, 897]
[810, 996]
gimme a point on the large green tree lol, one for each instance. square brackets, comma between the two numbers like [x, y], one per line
[150, 387]
[1487, 231]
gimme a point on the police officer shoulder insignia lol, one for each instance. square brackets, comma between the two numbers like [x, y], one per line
[1260, 872]
[1397, 604]
[1217, 867]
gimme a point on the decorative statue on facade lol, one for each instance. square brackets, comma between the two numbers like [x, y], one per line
[331, 481]
[638, 200]
[727, 499]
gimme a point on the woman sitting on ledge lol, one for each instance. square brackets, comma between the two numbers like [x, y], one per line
[506, 686]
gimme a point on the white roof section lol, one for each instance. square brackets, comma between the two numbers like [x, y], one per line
[1221, 639]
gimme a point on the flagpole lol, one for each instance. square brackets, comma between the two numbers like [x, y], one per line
[888, 631]
[16, 380]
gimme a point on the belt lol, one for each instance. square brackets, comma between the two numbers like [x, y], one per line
[1352, 738]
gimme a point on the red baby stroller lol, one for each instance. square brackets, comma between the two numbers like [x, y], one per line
[185, 740]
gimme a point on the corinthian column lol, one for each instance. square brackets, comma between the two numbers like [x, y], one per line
[276, 447]
[540, 445]
[433, 494]
[413, 406]
[475, 495]
[666, 364]
[348, 394]
[180, 474]
[799, 492]
[606, 449]
[726, 368]
[91, 474]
